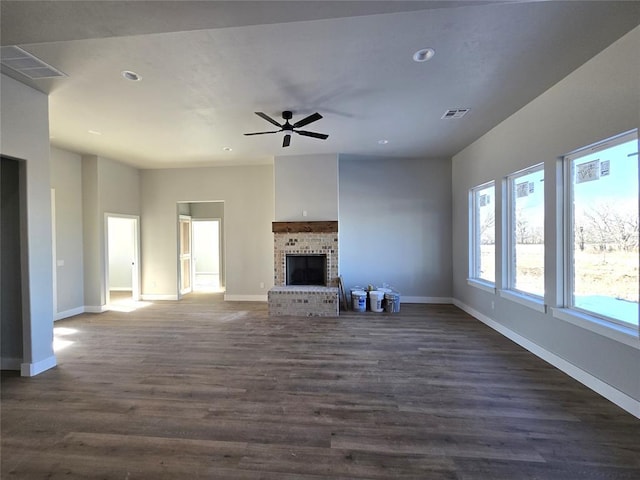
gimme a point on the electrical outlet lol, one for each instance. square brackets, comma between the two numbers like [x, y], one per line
[493, 305]
[304, 213]
[261, 284]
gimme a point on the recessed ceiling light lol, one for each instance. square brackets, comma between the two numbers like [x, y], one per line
[424, 55]
[94, 132]
[227, 149]
[384, 141]
[129, 75]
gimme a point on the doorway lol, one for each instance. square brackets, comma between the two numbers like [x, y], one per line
[206, 255]
[123, 253]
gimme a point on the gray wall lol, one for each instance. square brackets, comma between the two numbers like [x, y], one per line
[24, 134]
[66, 179]
[395, 225]
[107, 187]
[247, 193]
[598, 100]
[306, 183]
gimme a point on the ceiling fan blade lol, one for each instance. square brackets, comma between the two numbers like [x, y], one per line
[307, 120]
[268, 118]
[286, 141]
[313, 134]
[262, 133]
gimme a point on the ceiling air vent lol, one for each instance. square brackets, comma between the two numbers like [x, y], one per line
[455, 113]
[22, 62]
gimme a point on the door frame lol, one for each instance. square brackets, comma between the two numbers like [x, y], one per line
[181, 257]
[220, 270]
[135, 271]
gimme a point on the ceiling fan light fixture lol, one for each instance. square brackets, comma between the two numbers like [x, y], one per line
[424, 55]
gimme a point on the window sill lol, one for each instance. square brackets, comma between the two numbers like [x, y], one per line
[534, 303]
[482, 285]
[619, 333]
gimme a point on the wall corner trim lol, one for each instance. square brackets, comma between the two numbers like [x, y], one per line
[612, 394]
[441, 300]
[68, 313]
[95, 308]
[33, 369]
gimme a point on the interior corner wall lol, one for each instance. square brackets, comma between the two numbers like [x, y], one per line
[66, 179]
[598, 100]
[24, 134]
[395, 225]
[306, 184]
[247, 193]
[107, 187]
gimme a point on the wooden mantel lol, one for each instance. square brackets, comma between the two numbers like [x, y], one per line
[305, 227]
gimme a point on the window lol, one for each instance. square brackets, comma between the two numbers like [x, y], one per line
[482, 232]
[525, 231]
[602, 230]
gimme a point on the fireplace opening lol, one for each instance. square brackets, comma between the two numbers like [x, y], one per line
[307, 269]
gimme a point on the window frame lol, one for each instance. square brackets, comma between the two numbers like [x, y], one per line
[474, 265]
[509, 289]
[569, 311]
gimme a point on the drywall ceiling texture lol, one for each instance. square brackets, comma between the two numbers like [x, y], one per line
[201, 83]
[598, 100]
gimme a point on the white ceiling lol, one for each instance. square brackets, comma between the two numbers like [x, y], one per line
[207, 66]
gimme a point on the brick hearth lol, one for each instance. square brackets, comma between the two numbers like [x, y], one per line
[307, 238]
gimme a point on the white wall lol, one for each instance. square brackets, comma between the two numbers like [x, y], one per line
[66, 179]
[395, 225]
[24, 134]
[598, 100]
[306, 183]
[247, 193]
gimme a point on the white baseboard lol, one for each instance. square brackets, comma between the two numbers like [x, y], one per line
[120, 289]
[95, 308]
[33, 369]
[245, 298]
[68, 313]
[149, 297]
[612, 394]
[447, 300]
[10, 363]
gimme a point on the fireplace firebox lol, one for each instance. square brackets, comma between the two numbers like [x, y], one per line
[302, 269]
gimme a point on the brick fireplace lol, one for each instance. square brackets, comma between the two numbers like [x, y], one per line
[313, 239]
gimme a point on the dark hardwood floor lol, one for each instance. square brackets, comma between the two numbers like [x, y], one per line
[202, 389]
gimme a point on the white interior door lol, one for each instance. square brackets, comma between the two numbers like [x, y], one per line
[186, 272]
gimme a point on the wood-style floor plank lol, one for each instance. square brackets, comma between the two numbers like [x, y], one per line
[206, 389]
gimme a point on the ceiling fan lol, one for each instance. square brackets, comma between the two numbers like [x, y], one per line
[288, 128]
